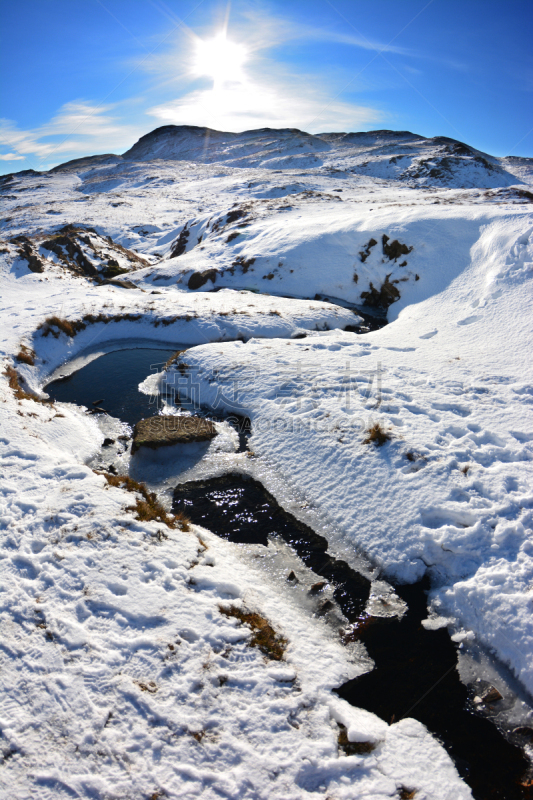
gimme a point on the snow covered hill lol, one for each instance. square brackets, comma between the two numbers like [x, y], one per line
[389, 155]
[259, 251]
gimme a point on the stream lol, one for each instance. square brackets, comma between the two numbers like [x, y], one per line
[415, 673]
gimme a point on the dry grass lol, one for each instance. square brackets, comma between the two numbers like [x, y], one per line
[353, 748]
[26, 356]
[465, 470]
[14, 384]
[147, 508]
[406, 794]
[377, 435]
[271, 644]
[57, 325]
[173, 358]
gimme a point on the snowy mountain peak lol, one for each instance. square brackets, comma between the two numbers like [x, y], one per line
[385, 154]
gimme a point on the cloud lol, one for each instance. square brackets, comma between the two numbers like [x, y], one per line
[79, 128]
[265, 93]
[253, 104]
[263, 31]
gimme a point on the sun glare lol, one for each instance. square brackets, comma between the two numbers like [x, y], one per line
[219, 58]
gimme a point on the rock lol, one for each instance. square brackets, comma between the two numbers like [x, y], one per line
[326, 606]
[395, 249]
[383, 297]
[317, 587]
[35, 264]
[161, 431]
[180, 245]
[108, 442]
[197, 279]
[491, 695]
[124, 284]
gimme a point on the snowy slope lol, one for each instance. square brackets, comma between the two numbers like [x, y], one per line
[95, 701]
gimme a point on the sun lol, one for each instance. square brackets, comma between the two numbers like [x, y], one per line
[219, 58]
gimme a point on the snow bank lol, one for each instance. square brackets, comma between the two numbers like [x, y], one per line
[451, 491]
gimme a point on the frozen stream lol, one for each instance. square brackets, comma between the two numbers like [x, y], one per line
[415, 670]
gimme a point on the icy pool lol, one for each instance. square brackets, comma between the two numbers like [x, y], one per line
[111, 382]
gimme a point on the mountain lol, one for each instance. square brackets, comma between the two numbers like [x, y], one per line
[389, 155]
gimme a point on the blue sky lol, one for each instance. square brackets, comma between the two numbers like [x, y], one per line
[80, 77]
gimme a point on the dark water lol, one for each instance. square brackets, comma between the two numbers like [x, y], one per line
[415, 673]
[112, 379]
[241, 510]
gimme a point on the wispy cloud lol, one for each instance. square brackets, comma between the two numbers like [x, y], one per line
[267, 93]
[253, 104]
[78, 128]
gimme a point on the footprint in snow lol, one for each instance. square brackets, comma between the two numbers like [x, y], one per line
[468, 320]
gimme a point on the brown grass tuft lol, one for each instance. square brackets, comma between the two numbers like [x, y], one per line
[173, 358]
[271, 644]
[377, 435]
[14, 384]
[26, 356]
[147, 509]
[57, 325]
[353, 748]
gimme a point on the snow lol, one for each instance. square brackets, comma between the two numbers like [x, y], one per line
[120, 676]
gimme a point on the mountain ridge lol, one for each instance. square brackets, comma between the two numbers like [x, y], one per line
[403, 156]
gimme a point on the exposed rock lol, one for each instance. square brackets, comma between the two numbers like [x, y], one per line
[243, 263]
[198, 279]
[395, 249]
[124, 284]
[162, 431]
[85, 252]
[180, 245]
[237, 213]
[492, 695]
[35, 264]
[383, 297]
[365, 252]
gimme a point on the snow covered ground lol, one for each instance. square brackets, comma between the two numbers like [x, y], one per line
[121, 677]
